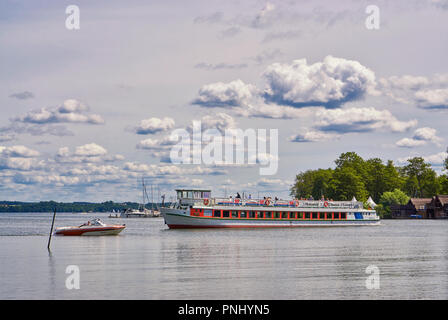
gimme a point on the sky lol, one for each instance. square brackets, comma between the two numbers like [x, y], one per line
[87, 112]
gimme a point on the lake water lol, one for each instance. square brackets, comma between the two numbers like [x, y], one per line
[149, 261]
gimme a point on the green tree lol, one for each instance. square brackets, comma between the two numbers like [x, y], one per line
[421, 179]
[392, 177]
[346, 183]
[389, 198]
[376, 178]
[312, 183]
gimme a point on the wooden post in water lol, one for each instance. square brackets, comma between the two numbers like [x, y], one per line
[51, 231]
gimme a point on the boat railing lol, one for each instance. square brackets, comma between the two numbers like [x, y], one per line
[281, 203]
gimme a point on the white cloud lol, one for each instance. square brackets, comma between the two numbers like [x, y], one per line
[328, 83]
[425, 92]
[360, 120]
[421, 137]
[313, 136]
[219, 94]
[18, 151]
[432, 99]
[154, 125]
[71, 111]
[90, 150]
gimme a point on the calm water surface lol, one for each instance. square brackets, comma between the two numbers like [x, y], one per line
[148, 261]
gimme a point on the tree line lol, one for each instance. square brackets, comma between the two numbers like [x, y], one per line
[49, 206]
[386, 183]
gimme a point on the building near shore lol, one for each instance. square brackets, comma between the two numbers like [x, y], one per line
[422, 208]
[438, 207]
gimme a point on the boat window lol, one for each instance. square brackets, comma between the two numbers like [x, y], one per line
[217, 213]
[300, 215]
[251, 214]
[208, 212]
[260, 214]
[225, 214]
[197, 195]
[179, 194]
[190, 195]
[277, 215]
[268, 215]
[206, 195]
[328, 216]
[234, 214]
[314, 215]
[336, 215]
[307, 215]
[292, 215]
[343, 215]
[243, 214]
[184, 194]
[285, 215]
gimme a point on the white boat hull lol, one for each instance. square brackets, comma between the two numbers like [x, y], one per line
[179, 219]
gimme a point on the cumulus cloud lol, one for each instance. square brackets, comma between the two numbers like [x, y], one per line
[313, 136]
[21, 164]
[154, 125]
[421, 137]
[88, 153]
[71, 111]
[297, 85]
[219, 94]
[425, 92]
[90, 150]
[432, 99]
[360, 120]
[220, 121]
[19, 158]
[18, 151]
[329, 83]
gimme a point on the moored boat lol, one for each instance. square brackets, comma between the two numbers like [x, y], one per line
[197, 209]
[92, 228]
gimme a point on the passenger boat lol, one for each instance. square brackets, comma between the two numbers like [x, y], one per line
[196, 208]
[92, 228]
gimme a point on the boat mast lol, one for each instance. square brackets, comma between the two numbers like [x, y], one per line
[143, 194]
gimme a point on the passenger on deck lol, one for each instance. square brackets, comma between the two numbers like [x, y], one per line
[238, 196]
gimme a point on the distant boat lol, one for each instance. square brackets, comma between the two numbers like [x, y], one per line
[92, 228]
[142, 211]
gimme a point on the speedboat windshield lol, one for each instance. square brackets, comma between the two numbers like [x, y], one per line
[94, 222]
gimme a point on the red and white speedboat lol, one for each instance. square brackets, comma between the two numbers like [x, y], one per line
[92, 228]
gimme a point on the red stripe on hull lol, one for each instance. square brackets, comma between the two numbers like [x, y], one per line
[74, 232]
[184, 226]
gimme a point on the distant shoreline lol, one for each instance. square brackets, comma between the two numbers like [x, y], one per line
[49, 206]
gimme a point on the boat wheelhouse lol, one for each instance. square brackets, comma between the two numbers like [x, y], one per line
[195, 208]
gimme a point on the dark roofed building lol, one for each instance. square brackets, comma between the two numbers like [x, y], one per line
[414, 208]
[438, 208]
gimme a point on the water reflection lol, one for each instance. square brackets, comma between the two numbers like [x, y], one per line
[147, 261]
